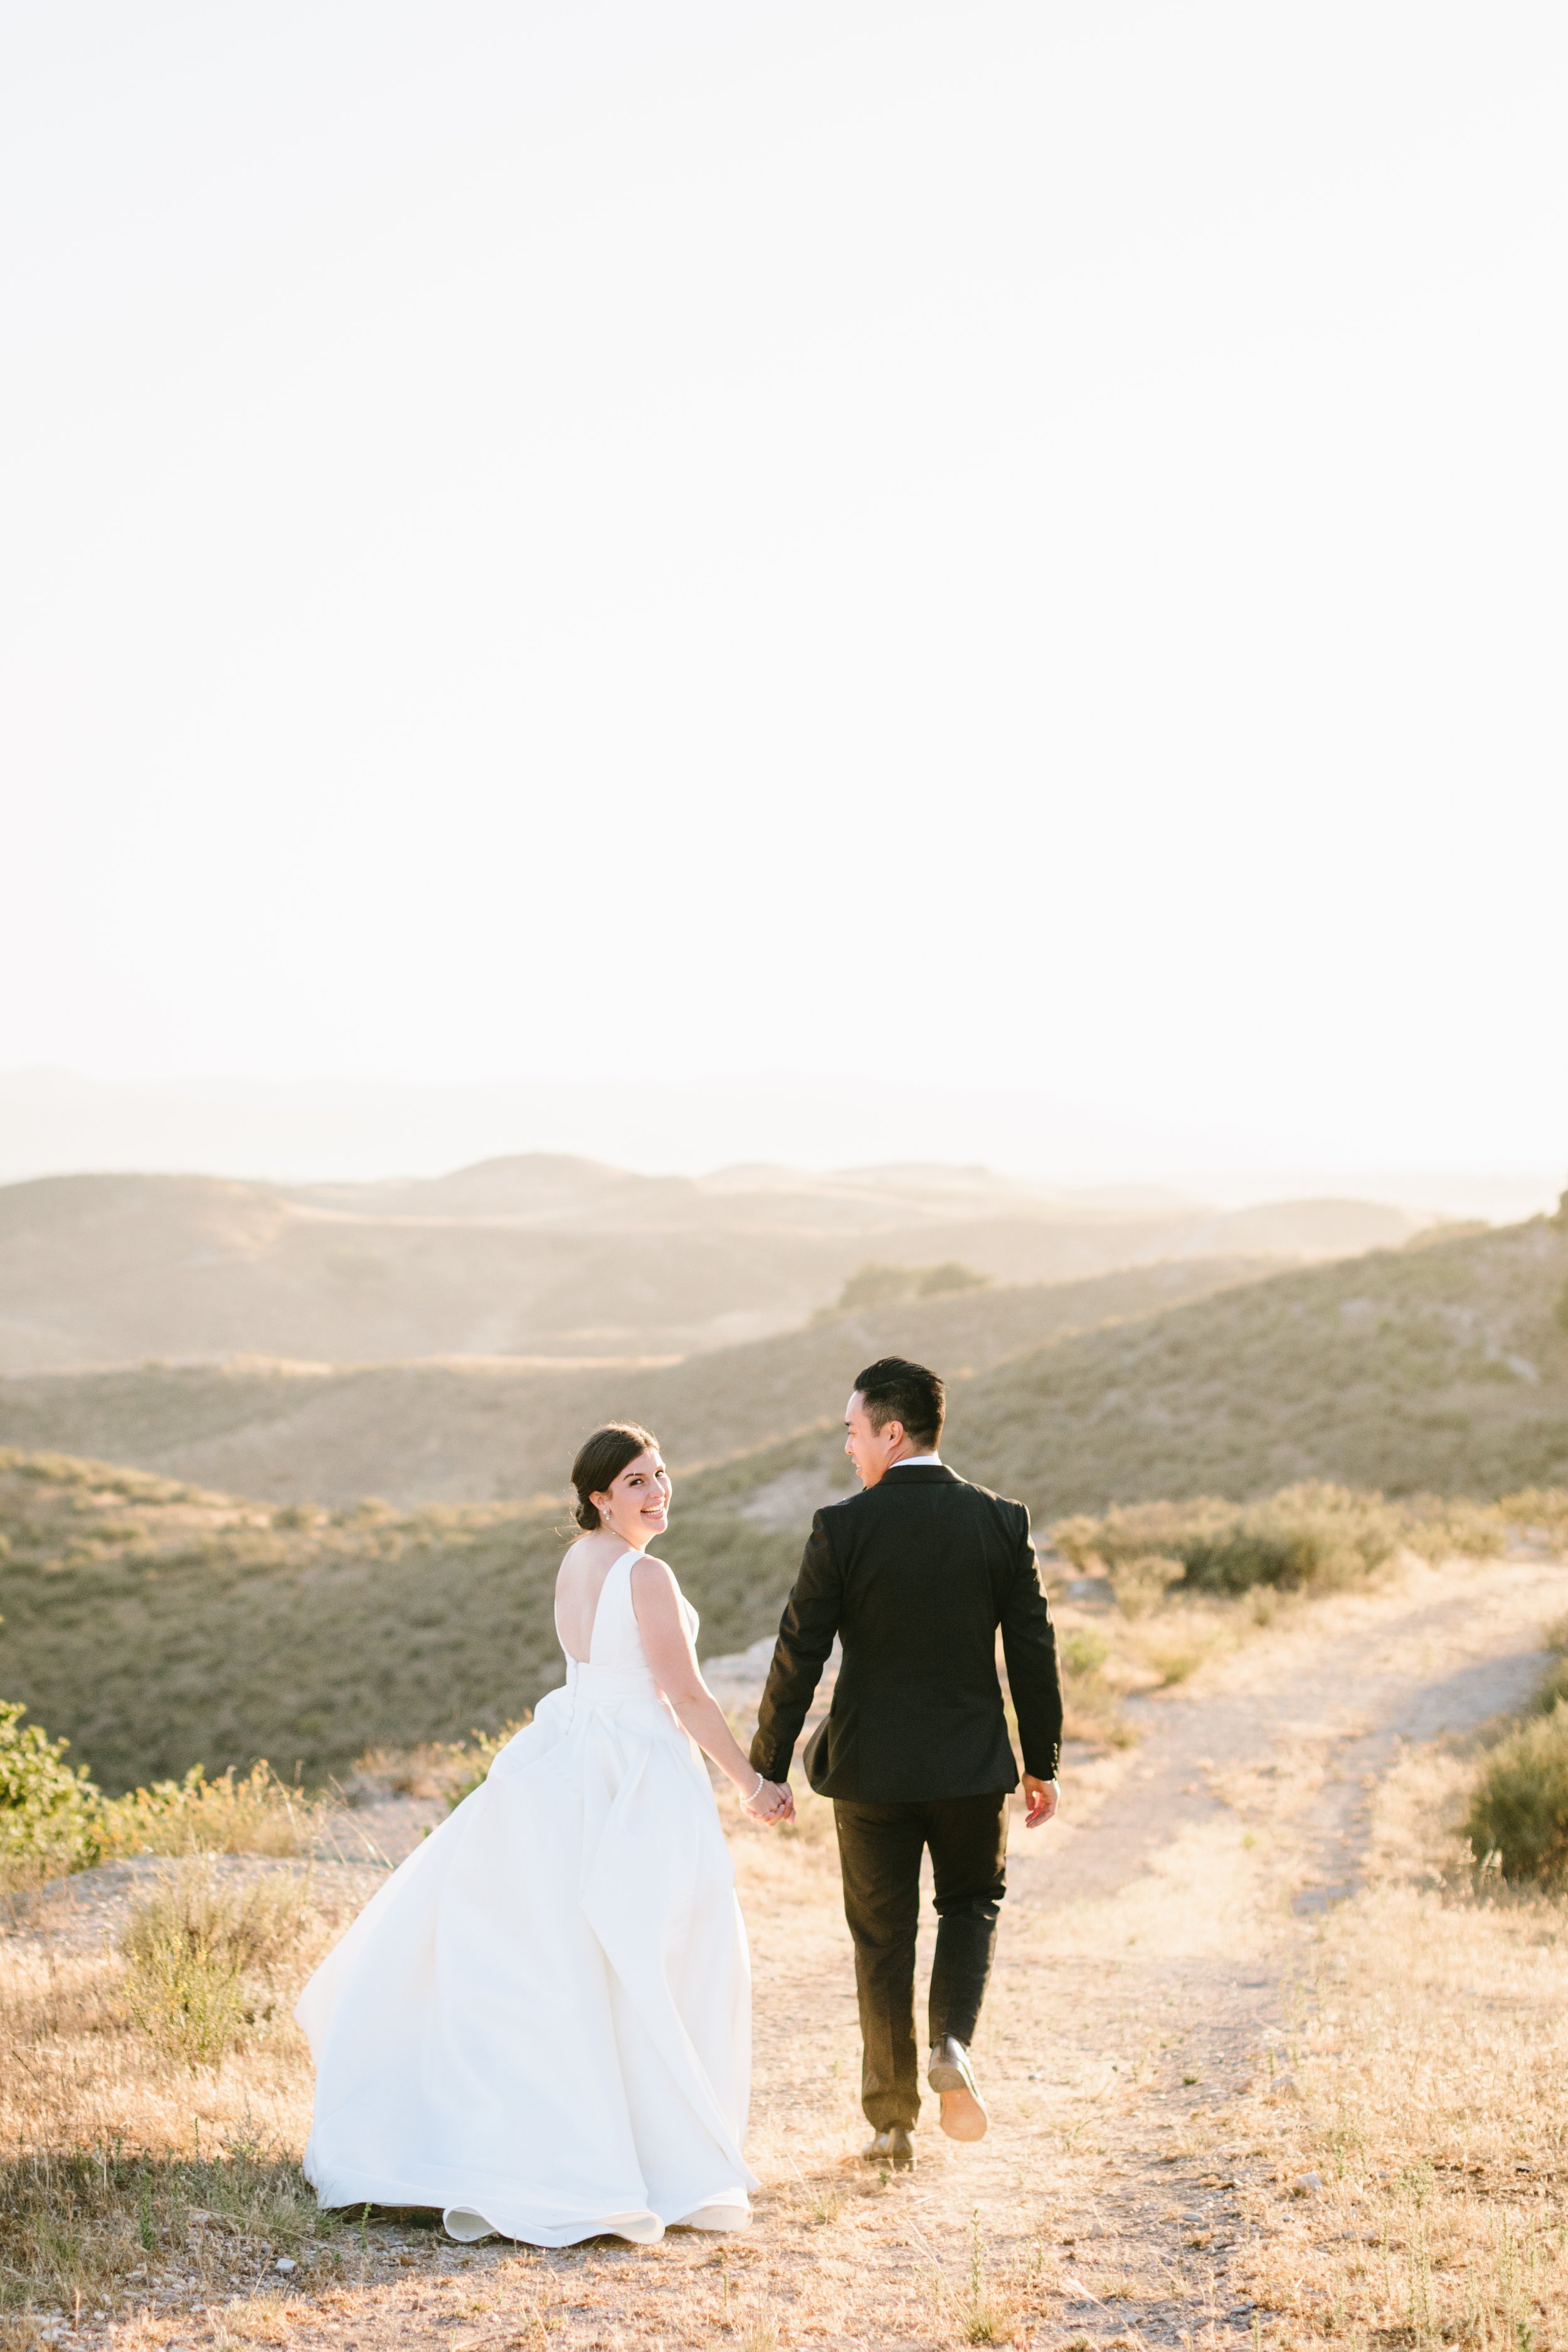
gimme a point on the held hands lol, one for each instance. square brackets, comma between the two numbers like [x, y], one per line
[1043, 1798]
[773, 1803]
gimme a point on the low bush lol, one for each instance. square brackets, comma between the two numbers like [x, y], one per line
[874, 1285]
[50, 1814]
[1312, 1537]
[253, 1812]
[1520, 1810]
[449, 1769]
[1141, 1582]
[1544, 1508]
[1090, 1703]
[1553, 1683]
[200, 1958]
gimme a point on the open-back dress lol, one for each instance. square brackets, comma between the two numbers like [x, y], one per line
[542, 2023]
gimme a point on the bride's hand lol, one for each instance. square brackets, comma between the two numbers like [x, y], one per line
[773, 1802]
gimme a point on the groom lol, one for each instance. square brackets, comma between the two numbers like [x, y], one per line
[915, 1575]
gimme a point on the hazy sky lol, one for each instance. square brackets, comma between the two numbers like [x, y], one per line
[623, 540]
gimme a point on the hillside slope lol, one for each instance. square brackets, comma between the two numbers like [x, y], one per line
[546, 1256]
[482, 1431]
[1441, 1368]
[156, 1625]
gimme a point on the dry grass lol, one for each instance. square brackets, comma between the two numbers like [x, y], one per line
[154, 2093]
[1418, 2061]
[250, 1812]
[1429, 2092]
[202, 1958]
[443, 1770]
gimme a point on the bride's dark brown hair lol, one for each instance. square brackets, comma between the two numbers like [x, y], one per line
[600, 1460]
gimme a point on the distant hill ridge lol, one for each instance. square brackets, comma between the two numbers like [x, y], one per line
[156, 1623]
[543, 1255]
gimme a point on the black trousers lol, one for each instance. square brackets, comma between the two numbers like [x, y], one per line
[879, 1850]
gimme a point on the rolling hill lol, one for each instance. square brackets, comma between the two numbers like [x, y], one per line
[541, 1255]
[156, 1623]
[1440, 1367]
[479, 1429]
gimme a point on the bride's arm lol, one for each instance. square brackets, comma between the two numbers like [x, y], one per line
[667, 1648]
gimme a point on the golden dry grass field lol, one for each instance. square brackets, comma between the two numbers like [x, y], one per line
[1270, 2062]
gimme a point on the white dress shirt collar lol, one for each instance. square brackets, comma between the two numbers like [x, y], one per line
[916, 1461]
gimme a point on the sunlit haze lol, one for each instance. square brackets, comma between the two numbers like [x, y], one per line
[995, 552]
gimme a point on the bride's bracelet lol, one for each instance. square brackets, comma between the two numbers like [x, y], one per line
[756, 1792]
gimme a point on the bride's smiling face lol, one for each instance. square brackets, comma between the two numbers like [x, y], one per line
[636, 1507]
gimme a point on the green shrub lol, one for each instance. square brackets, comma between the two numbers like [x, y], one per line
[1318, 1536]
[1084, 1650]
[50, 1814]
[1537, 1506]
[1308, 1537]
[1553, 1683]
[200, 1958]
[1139, 1530]
[1520, 1810]
[1093, 1709]
[1450, 1526]
[1141, 1582]
[1553, 1687]
[874, 1285]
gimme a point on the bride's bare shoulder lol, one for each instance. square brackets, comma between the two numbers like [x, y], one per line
[652, 1580]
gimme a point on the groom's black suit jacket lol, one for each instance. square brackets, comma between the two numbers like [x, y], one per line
[915, 1575]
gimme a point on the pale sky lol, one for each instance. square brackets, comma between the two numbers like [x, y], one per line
[635, 540]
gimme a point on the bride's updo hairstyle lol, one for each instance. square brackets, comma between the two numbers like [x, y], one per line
[600, 1461]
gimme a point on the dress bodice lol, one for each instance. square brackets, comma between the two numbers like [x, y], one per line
[616, 1666]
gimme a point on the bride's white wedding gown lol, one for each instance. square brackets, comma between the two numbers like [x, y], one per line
[542, 2023]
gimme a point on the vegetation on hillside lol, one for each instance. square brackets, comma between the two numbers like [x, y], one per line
[1311, 1538]
[1518, 1820]
[1434, 1371]
[876, 1285]
[157, 1626]
[50, 1814]
[483, 1431]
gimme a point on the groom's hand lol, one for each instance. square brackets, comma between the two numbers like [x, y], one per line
[1043, 1798]
[773, 1803]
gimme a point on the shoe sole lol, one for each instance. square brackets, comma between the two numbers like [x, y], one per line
[962, 2115]
[897, 2163]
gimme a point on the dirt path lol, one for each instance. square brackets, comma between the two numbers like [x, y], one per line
[1159, 1952]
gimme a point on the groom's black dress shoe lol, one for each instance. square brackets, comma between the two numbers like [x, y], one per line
[950, 2074]
[891, 2147]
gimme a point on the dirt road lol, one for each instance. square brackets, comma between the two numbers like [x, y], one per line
[1158, 1945]
[1161, 1953]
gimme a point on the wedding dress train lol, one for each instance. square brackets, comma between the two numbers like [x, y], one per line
[542, 2023]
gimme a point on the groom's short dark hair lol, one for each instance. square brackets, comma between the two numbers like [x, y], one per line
[892, 1389]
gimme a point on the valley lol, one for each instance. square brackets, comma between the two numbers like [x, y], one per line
[540, 1255]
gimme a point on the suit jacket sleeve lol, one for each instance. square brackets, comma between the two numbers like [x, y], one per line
[805, 1640]
[1029, 1646]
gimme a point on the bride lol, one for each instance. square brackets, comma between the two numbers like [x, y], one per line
[542, 2023]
